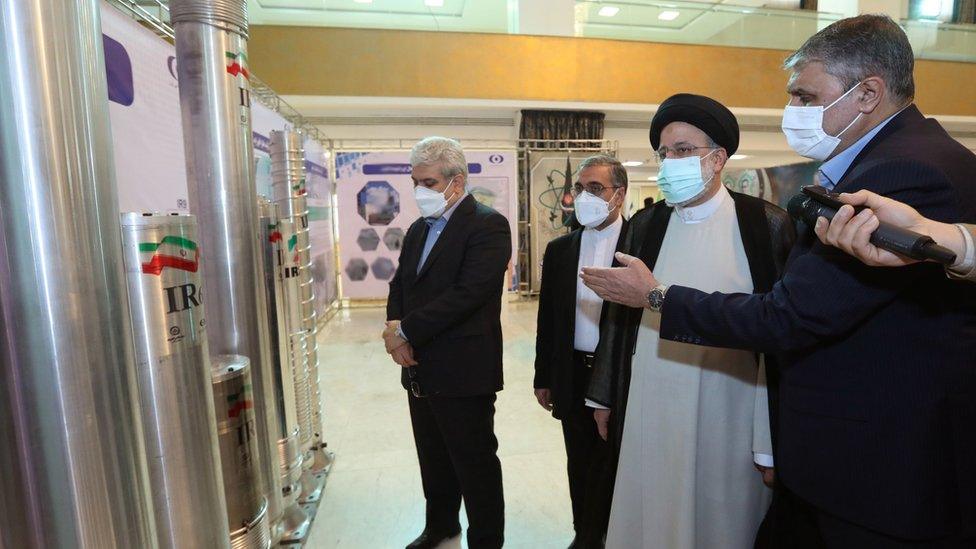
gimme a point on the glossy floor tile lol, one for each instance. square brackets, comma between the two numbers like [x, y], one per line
[373, 498]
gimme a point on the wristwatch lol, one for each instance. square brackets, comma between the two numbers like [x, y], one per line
[655, 298]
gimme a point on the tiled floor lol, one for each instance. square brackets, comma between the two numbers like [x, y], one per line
[373, 498]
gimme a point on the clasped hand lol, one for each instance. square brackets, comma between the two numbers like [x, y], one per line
[397, 347]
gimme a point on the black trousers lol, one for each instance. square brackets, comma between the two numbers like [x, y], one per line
[586, 455]
[793, 523]
[456, 446]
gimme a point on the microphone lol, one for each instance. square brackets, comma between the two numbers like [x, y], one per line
[815, 202]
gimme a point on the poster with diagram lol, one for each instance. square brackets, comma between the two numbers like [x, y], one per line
[376, 205]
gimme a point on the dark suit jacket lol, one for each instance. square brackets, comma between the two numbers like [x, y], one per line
[556, 325]
[878, 388]
[450, 309]
[767, 237]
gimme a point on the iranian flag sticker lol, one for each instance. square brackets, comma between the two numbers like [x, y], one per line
[174, 252]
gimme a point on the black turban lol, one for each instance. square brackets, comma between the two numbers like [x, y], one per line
[704, 113]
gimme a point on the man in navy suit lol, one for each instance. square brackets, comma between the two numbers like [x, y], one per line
[876, 444]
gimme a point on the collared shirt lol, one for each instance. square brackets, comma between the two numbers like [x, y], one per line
[435, 228]
[596, 250]
[701, 212]
[436, 225]
[833, 170]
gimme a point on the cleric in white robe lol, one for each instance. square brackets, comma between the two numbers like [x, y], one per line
[691, 424]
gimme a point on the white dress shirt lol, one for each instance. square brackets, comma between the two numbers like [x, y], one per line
[596, 250]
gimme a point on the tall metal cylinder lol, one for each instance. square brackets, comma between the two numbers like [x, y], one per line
[173, 368]
[211, 53]
[247, 508]
[73, 468]
[295, 329]
[288, 188]
[295, 522]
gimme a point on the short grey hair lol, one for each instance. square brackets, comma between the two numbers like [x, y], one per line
[618, 174]
[443, 150]
[859, 47]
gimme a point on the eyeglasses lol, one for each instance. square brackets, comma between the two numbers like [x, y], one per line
[593, 188]
[415, 389]
[681, 151]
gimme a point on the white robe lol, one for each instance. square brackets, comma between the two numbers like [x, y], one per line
[695, 415]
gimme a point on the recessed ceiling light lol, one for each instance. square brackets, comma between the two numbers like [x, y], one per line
[652, 178]
[632, 163]
[608, 11]
[669, 15]
[434, 3]
[738, 156]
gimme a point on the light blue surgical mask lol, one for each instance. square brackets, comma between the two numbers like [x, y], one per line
[680, 179]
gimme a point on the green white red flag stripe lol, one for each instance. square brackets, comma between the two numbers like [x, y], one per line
[174, 252]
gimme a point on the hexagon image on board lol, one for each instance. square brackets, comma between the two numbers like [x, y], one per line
[383, 268]
[378, 203]
[357, 269]
[393, 238]
[368, 240]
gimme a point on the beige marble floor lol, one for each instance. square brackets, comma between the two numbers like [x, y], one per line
[373, 498]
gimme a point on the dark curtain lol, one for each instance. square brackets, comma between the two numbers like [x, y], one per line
[560, 125]
[965, 11]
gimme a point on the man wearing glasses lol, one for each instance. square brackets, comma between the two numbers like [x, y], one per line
[697, 422]
[568, 331]
[444, 329]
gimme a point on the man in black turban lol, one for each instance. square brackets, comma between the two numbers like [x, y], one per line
[697, 425]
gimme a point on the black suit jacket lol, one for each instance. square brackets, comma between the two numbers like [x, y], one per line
[878, 389]
[450, 310]
[556, 325]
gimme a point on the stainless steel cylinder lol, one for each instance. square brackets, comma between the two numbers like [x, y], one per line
[173, 367]
[288, 187]
[295, 330]
[295, 522]
[247, 508]
[73, 470]
[215, 103]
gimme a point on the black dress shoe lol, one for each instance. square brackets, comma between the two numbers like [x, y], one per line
[430, 540]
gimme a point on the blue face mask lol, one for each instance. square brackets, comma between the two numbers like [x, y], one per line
[680, 179]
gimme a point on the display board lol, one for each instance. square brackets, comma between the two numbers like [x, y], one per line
[318, 185]
[551, 177]
[375, 196]
[144, 109]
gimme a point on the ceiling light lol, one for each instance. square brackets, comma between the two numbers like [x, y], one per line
[669, 15]
[652, 178]
[608, 11]
[632, 163]
[738, 156]
[434, 3]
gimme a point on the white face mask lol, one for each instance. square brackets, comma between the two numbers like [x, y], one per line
[430, 202]
[591, 210]
[803, 127]
[680, 179]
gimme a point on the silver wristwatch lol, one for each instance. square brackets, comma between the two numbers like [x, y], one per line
[655, 298]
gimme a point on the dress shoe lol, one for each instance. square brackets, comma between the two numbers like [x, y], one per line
[430, 540]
